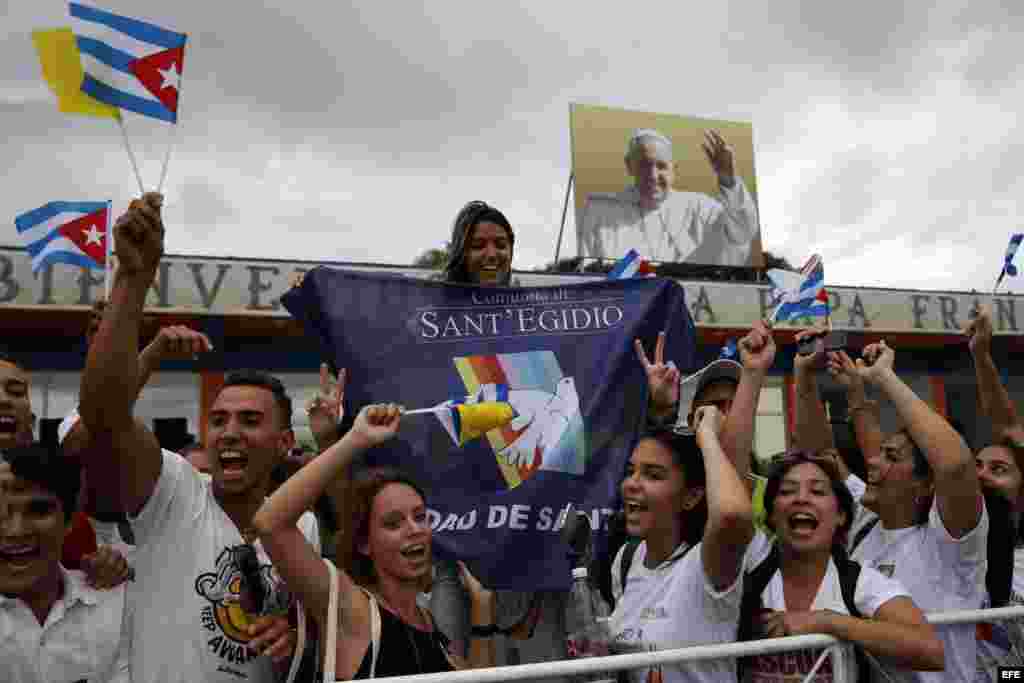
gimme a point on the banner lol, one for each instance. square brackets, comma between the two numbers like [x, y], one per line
[675, 188]
[559, 364]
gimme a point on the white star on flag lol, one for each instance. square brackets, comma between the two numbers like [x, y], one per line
[92, 235]
[171, 76]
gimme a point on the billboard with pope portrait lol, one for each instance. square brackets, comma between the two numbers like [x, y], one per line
[676, 189]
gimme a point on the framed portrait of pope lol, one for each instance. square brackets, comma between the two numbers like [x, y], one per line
[676, 189]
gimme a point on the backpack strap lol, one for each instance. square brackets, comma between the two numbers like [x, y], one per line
[628, 551]
[331, 651]
[849, 574]
[861, 534]
[754, 583]
[374, 631]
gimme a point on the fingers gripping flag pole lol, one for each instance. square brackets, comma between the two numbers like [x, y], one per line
[467, 421]
[1008, 267]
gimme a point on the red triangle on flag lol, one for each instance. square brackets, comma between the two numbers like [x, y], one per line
[89, 233]
[160, 72]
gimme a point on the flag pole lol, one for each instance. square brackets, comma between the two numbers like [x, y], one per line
[565, 210]
[131, 155]
[999, 280]
[173, 136]
[107, 267]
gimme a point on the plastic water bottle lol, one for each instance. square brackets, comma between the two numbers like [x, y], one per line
[587, 637]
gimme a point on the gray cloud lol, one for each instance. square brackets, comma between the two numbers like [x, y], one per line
[358, 132]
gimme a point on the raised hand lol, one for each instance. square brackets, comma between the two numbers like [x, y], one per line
[106, 568]
[775, 624]
[273, 637]
[844, 371]
[812, 361]
[477, 593]
[720, 157]
[326, 409]
[377, 423]
[877, 359]
[708, 421]
[179, 342]
[662, 378]
[979, 332]
[139, 236]
[757, 347]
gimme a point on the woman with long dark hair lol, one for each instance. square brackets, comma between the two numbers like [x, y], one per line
[803, 582]
[683, 584]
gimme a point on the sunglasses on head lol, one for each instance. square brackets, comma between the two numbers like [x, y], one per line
[825, 458]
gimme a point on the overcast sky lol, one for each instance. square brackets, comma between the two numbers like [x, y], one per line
[886, 133]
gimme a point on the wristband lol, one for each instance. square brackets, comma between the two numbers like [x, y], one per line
[485, 631]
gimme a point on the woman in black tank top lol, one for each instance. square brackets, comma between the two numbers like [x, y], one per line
[384, 560]
[406, 650]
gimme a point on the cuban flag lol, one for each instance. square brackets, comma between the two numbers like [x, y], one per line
[630, 265]
[66, 232]
[799, 295]
[129, 63]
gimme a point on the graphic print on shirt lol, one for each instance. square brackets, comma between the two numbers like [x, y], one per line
[887, 570]
[226, 589]
[789, 667]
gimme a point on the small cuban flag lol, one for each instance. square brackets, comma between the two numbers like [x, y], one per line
[1008, 267]
[629, 266]
[129, 63]
[799, 295]
[66, 232]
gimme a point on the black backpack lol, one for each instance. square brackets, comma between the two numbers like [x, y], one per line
[755, 582]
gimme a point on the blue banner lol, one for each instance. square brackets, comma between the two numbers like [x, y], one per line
[537, 393]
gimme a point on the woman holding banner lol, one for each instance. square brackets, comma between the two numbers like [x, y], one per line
[683, 583]
[367, 607]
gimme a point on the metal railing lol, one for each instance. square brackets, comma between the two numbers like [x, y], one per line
[613, 663]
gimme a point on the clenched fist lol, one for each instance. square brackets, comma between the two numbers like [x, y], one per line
[139, 236]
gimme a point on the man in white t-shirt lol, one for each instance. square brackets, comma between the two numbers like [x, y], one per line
[194, 563]
[54, 627]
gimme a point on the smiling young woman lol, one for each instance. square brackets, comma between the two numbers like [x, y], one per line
[686, 502]
[807, 584]
[385, 563]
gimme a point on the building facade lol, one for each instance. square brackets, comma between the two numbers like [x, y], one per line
[236, 302]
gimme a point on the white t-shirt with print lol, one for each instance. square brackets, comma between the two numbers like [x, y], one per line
[1001, 643]
[942, 573]
[873, 590]
[673, 606]
[188, 625]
